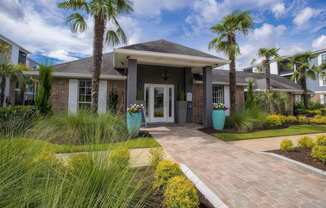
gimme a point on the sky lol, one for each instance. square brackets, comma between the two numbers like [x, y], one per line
[292, 26]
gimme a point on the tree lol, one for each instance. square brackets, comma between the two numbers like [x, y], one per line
[42, 100]
[268, 54]
[302, 69]
[103, 12]
[250, 98]
[227, 29]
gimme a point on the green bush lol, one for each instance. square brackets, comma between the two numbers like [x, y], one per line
[156, 157]
[247, 119]
[15, 120]
[80, 128]
[290, 120]
[319, 152]
[274, 120]
[306, 142]
[180, 193]
[321, 140]
[120, 154]
[27, 180]
[286, 145]
[42, 99]
[165, 170]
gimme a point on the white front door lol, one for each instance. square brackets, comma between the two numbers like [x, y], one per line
[159, 103]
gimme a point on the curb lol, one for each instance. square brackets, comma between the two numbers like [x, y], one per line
[203, 188]
[313, 169]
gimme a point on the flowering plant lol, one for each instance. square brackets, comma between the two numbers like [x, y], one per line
[135, 108]
[219, 106]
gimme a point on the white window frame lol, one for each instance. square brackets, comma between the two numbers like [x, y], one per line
[218, 93]
[85, 93]
[322, 80]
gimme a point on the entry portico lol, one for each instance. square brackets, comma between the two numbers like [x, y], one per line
[160, 74]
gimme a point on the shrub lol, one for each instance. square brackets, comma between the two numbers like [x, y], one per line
[306, 142]
[291, 120]
[81, 128]
[247, 119]
[42, 99]
[318, 120]
[180, 193]
[321, 140]
[15, 120]
[286, 145]
[319, 152]
[165, 170]
[156, 157]
[275, 120]
[120, 154]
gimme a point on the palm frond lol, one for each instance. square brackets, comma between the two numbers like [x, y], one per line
[74, 4]
[77, 22]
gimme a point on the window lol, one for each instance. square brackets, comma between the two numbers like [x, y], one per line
[85, 94]
[218, 94]
[22, 57]
[323, 58]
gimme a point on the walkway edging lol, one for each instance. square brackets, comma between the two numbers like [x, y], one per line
[203, 188]
[296, 162]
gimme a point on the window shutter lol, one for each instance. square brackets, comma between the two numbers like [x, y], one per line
[322, 101]
[102, 96]
[73, 96]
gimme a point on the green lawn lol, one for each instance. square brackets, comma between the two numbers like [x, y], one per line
[140, 142]
[292, 130]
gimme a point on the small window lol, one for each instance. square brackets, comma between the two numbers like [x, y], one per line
[218, 94]
[323, 58]
[22, 57]
[85, 94]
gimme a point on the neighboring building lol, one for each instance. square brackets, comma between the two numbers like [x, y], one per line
[17, 55]
[157, 74]
[316, 87]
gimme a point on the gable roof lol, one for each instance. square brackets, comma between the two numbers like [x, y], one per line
[164, 46]
[277, 82]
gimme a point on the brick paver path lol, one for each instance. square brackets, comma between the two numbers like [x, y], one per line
[272, 143]
[242, 178]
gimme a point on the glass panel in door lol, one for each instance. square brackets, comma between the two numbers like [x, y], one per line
[158, 102]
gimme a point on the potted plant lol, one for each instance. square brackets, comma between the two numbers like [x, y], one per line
[134, 119]
[218, 116]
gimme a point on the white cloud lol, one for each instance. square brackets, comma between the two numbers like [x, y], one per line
[320, 42]
[39, 34]
[305, 15]
[278, 10]
[154, 7]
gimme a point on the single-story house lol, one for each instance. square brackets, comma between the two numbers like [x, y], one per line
[174, 82]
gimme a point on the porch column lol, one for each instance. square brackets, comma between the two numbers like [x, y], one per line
[132, 82]
[188, 86]
[208, 96]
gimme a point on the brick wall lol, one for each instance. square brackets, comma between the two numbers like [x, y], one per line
[59, 94]
[198, 101]
[119, 87]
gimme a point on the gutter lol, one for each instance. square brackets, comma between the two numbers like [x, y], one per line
[221, 83]
[77, 75]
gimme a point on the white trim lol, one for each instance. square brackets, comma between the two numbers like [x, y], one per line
[213, 199]
[220, 83]
[170, 55]
[279, 90]
[73, 96]
[78, 75]
[286, 74]
[321, 91]
[322, 99]
[166, 119]
[296, 162]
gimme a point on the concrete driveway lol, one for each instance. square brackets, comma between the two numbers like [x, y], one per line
[239, 177]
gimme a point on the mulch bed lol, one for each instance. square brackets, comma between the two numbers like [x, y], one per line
[302, 155]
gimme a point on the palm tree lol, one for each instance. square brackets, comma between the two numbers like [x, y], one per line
[103, 12]
[227, 29]
[302, 69]
[268, 54]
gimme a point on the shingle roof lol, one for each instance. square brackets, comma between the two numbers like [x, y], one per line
[84, 66]
[164, 46]
[277, 82]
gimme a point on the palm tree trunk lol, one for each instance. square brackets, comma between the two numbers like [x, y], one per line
[99, 29]
[305, 92]
[232, 79]
[268, 75]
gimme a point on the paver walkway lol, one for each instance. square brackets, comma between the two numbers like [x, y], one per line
[242, 178]
[271, 143]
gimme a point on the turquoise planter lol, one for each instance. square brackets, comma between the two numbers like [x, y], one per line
[218, 119]
[133, 123]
